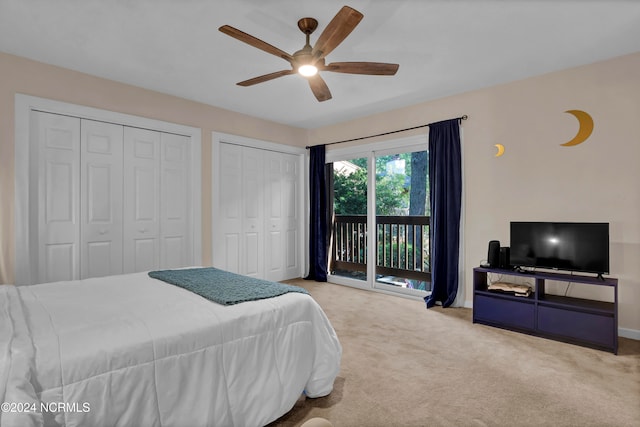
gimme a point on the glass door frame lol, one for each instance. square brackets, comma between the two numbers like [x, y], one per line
[371, 151]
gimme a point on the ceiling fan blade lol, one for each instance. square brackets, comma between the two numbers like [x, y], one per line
[371, 68]
[319, 88]
[255, 42]
[265, 78]
[338, 29]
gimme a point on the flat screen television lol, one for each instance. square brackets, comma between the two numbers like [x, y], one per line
[569, 246]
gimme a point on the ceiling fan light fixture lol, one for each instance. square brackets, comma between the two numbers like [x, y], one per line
[308, 70]
[309, 61]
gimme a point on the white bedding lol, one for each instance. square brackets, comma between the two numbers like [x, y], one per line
[134, 351]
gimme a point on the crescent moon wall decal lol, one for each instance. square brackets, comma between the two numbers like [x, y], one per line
[500, 148]
[586, 127]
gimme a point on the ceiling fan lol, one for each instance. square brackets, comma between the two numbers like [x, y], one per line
[308, 61]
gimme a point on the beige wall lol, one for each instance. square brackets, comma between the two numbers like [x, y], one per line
[19, 75]
[536, 178]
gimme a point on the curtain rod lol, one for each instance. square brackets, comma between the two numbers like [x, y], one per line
[464, 117]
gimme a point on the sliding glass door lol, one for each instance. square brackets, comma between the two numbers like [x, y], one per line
[402, 222]
[380, 227]
[348, 251]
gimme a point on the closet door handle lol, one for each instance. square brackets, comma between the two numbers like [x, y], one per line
[103, 232]
[143, 230]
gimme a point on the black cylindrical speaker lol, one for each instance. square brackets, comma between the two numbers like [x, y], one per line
[504, 257]
[493, 257]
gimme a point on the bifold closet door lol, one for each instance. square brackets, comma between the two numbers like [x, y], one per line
[253, 184]
[156, 200]
[227, 249]
[281, 215]
[55, 222]
[274, 236]
[241, 249]
[106, 199]
[175, 201]
[258, 213]
[101, 184]
[292, 211]
[141, 200]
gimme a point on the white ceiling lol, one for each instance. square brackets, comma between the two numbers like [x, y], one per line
[443, 47]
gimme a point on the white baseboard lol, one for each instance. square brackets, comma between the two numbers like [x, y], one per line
[633, 334]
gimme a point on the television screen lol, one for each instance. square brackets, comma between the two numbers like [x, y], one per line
[571, 246]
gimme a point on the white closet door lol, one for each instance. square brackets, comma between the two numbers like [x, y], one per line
[101, 199]
[259, 212]
[96, 198]
[282, 215]
[56, 163]
[291, 203]
[141, 200]
[274, 216]
[253, 212]
[227, 249]
[175, 235]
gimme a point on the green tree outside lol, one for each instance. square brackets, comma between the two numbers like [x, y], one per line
[396, 193]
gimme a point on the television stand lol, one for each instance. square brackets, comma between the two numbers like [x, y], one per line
[579, 321]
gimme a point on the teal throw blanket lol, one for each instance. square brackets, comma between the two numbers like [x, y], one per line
[222, 286]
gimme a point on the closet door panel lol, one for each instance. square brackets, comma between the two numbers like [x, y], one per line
[253, 212]
[291, 215]
[141, 200]
[274, 216]
[175, 243]
[56, 140]
[227, 249]
[101, 199]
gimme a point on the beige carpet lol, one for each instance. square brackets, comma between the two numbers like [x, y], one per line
[403, 365]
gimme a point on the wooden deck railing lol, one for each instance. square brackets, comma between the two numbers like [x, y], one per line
[402, 245]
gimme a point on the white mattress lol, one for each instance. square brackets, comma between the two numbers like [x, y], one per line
[134, 351]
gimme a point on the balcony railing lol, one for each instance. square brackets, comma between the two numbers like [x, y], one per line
[402, 245]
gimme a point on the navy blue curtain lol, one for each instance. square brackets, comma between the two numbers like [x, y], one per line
[318, 219]
[445, 180]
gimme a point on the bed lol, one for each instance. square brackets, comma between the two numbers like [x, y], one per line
[131, 350]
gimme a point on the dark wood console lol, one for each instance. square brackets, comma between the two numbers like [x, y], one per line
[580, 321]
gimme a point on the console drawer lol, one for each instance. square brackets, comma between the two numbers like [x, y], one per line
[504, 312]
[591, 327]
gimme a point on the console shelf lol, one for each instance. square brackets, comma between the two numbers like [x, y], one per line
[580, 321]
